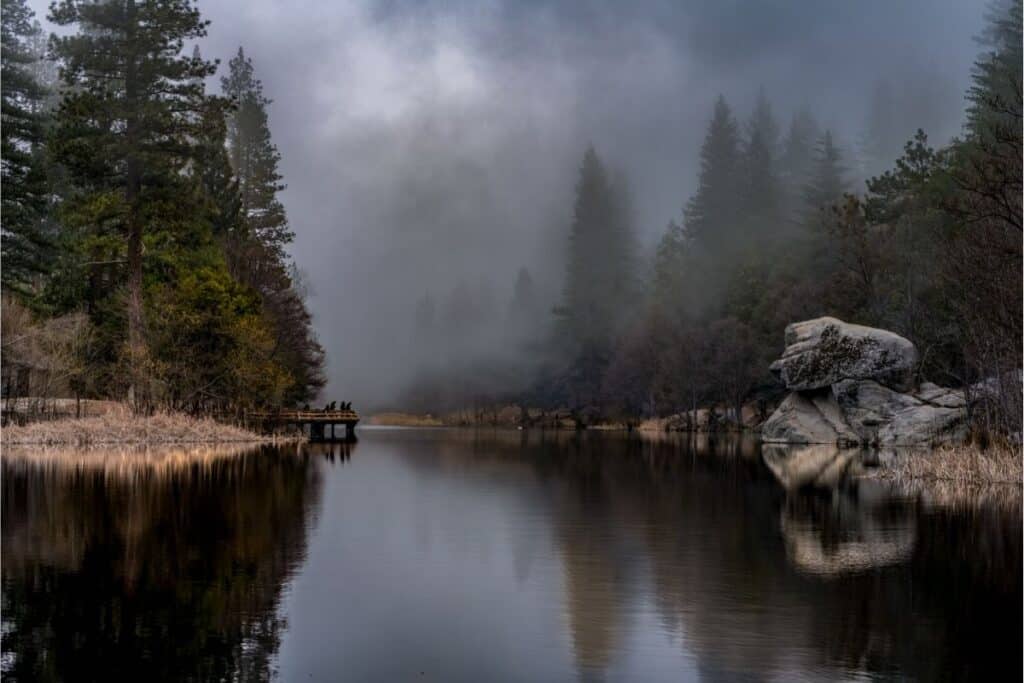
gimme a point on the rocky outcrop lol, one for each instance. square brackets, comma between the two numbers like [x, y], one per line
[824, 351]
[808, 417]
[852, 384]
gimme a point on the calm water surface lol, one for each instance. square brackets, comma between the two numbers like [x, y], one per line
[491, 556]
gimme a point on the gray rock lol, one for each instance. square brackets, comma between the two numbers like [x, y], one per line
[812, 417]
[823, 351]
[924, 424]
[941, 396]
[879, 415]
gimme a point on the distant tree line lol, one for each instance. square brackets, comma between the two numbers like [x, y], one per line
[137, 200]
[773, 234]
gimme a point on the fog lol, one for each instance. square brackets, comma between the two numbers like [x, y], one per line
[431, 143]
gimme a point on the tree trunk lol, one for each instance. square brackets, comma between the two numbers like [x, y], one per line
[133, 187]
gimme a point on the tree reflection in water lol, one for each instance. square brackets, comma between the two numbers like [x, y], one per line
[762, 572]
[165, 566]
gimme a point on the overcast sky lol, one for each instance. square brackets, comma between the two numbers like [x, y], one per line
[427, 142]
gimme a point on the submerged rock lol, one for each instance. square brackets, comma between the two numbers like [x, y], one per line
[824, 351]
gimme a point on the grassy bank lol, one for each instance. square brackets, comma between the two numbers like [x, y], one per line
[959, 475]
[120, 426]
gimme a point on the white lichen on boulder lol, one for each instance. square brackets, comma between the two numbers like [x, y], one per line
[823, 351]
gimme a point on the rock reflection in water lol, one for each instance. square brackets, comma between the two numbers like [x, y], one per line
[840, 533]
[754, 580]
[161, 564]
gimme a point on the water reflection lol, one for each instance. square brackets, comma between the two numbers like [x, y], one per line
[502, 555]
[166, 564]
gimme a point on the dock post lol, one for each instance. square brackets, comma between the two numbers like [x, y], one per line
[350, 430]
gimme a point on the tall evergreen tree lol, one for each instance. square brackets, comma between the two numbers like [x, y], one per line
[256, 241]
[128, 126]
[826, 183]
[523, 306]
[824, 189]
[711, 214]
[26, 246]
[255, 158]
[991, 155]
[597, 254]
[761, 197]
[797, 159]
[597, 292]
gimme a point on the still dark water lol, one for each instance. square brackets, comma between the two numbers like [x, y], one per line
[495, 556]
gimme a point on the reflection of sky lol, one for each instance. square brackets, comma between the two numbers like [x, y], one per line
[427, 559]
[475, 556]
[409, 571]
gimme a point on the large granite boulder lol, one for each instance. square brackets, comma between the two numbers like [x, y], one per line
[885, 417]
[824, 351]
[853, 384]
[808, 417]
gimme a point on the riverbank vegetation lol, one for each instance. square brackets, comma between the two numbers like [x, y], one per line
[776, 232]
[144, 242]
[121, 426]
[959, 476]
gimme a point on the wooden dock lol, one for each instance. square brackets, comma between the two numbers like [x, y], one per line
[322, 424]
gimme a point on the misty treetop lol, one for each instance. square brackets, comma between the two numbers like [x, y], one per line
[161, 199]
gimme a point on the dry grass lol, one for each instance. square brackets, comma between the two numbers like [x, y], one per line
[962, 464]
[121, 427]
[960, 475]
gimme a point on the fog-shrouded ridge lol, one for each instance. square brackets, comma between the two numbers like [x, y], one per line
[431, 149]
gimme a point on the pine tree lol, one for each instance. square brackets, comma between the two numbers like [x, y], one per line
[990, 157]
[826, 183]
[255, 158]
[26, 245]
[128, 126]
[797, 159]
[524, 312]
[761, 197]
[822, 192]
[597, 296]
[256, 241]
[710, 215]
[595, 267]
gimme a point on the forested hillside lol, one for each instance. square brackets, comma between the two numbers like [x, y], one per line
[144, 244]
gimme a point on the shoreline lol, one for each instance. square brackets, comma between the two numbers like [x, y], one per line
[120, 427]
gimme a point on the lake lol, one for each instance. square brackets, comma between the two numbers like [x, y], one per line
[460, 555]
